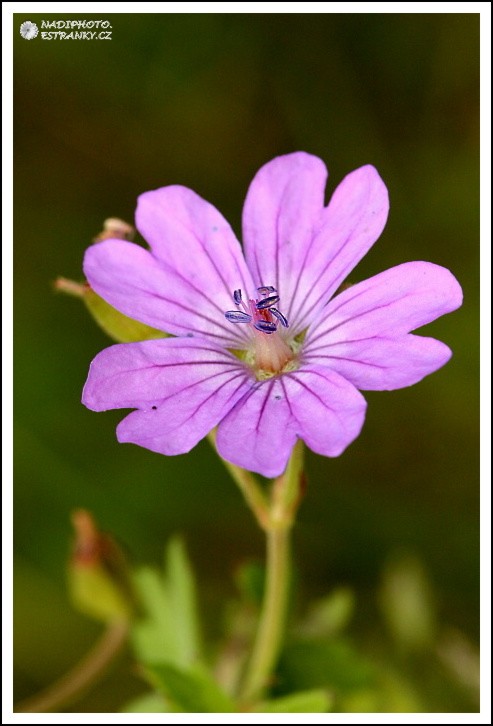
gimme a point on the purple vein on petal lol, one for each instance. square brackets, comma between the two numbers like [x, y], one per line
[291, 303]
[334, 308]
[373, 208]
[349, 360]
[256, 385]
[353, 317]
[151, 434]
[201, 381]
[257, 266]
[241, 375]
[230, 334]
[264, 404]
[183, 363]
[317, 373]
[313, 349]
[320, 299]
[321, 401]
[302, 317]
[240, 335]
[286, 397]
[213, 263]
[278, 238]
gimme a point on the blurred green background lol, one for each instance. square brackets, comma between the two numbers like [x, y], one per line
[204, 100]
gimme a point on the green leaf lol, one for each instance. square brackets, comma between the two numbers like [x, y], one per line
[170, 630]
[315, 701]
[148, 703]
[332, 664]
[192, 690]
[154, 636]
[392, 693]
[407, 602]
[330, 614]
[115, 324]
[399, 695]
[183, 600]
[366, 700]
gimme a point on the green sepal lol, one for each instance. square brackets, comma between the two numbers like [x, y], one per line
[115, 324]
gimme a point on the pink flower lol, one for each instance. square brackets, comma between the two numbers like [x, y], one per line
[262, 349]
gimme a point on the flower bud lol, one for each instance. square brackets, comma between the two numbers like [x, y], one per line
[114, 228]
[99, 579]
[116, 325]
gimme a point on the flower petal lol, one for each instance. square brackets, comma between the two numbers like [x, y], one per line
[313, 403]
[195, 242]
[282, 207]
[132, 280]
[349, 226]
[182, 389]
[383, 364]
[329, 411]
[258, 434]
[387, 305]
[301, 247]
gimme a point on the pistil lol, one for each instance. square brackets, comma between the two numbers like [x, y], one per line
[271, 352]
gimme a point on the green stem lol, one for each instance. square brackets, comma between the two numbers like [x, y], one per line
[284, 502]
[287, 489]
[249, 487]
[272, 619]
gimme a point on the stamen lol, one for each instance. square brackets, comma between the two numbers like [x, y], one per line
[261, 314]
[280, 317]
[237, 316]
[267, 302]
[267, 354]
[265, 326]
[266, 289]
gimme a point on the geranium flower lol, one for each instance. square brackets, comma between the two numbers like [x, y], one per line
[262, 349]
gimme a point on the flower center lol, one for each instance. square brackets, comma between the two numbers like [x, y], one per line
[269, 352]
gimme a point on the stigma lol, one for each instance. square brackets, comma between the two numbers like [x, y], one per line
[269, 352]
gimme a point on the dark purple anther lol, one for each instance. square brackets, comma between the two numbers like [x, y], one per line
[265, 327]
[266, 289]
[280, 317]
[237, 316]
[258, 313]
[267, 302]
